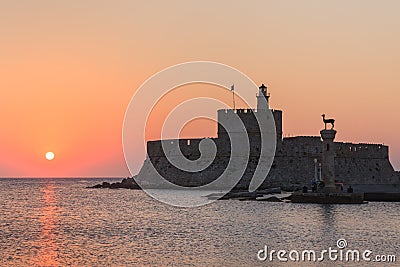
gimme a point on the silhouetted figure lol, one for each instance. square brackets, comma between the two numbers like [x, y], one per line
[326, 121]
[314, 187]
[350, 189]
[305, 189]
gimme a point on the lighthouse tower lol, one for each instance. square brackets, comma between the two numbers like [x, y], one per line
[262, 98]
[263, 106]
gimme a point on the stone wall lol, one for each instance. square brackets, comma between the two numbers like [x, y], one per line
[293, 166]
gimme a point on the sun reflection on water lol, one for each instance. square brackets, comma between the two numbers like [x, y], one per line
[48, 249]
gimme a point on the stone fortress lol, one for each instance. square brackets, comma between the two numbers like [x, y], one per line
[366, 167]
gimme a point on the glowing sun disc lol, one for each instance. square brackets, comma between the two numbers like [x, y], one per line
[50, 155]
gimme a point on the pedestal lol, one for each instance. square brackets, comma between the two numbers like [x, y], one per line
[329, 194]
[328, 160]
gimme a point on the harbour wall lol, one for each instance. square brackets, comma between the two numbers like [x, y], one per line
[364, 165]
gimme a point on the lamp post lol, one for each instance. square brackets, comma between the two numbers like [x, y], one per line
[315, 170]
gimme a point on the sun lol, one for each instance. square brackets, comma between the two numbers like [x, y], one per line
[50, 156]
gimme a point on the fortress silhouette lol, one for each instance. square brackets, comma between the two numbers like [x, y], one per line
[366, 167]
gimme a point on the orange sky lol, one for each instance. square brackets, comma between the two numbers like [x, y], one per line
[68, 70]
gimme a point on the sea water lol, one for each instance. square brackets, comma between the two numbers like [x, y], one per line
[59, 222]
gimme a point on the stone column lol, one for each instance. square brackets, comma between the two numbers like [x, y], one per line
[328, 160]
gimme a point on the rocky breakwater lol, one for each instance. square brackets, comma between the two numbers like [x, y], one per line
[127, 183]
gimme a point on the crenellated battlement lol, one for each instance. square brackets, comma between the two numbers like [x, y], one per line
[362, 150]
[311, 145]
[236, 111]
[189, 147]
[248, 117]
[242, 110]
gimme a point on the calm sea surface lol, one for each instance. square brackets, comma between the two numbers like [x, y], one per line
[58, 222]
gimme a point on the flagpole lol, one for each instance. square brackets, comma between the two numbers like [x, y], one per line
[233, 96]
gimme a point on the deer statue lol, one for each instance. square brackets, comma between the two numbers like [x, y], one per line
[326, 121]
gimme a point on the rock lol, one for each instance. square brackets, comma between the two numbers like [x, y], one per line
[269, 199]
[106, 185]
[127, 183]
[116, 185]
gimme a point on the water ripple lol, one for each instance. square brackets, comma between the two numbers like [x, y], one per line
[60, 223]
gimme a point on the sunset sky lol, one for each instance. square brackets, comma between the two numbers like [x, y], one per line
[68, 70]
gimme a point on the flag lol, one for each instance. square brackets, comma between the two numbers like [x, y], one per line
[232, 87]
